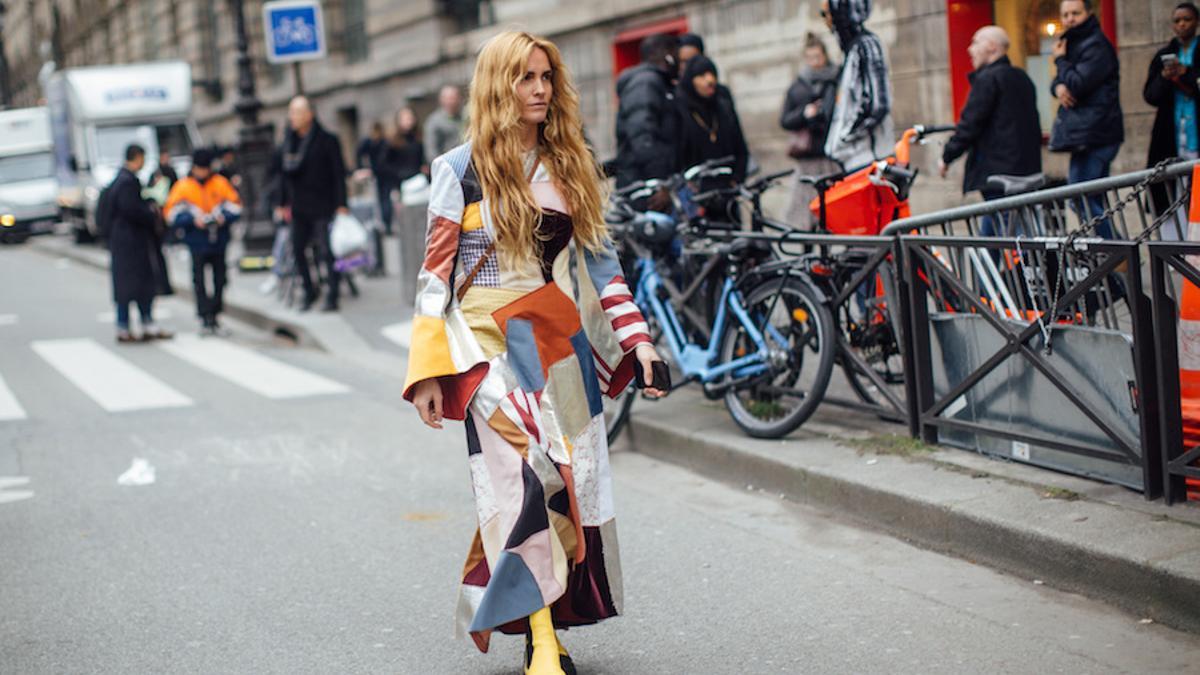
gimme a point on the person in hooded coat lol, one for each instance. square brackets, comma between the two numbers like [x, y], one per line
[137, 260]
[709, 128]
[861, 128]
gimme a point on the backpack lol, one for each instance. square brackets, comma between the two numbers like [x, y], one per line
[104, 211]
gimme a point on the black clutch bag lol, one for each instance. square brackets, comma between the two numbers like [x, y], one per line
[661, 373]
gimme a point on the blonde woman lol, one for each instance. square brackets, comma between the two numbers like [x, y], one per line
[513, 339]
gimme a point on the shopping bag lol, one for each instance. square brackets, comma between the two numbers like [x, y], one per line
[347, 235]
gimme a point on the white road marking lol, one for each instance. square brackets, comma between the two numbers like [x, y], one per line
[111, 381]
[400, 333]
[7, 495]
[8, 319]
[10, 408]
[247, 368]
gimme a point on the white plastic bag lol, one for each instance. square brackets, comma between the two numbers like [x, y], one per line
[347, 236]
[415, 191]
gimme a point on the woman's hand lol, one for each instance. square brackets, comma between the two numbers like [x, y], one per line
[427, 396]
[646, 355]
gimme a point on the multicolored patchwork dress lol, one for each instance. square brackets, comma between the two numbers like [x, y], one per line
[524, 358]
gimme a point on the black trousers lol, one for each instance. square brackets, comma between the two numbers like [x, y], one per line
[314, 232]
[209, 305]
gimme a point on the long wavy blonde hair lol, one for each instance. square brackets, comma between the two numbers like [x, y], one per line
[495, 134]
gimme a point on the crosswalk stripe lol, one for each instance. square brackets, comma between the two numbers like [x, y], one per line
[260, 374]
[10, 408]
[111, 381]
[400, 333]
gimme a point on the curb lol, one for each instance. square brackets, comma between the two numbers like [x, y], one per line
[1139, 583]
[247, 314]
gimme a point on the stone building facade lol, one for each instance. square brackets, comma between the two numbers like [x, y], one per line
[385, 53]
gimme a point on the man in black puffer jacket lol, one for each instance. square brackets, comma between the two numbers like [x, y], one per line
[646, 126]
[1089, 123]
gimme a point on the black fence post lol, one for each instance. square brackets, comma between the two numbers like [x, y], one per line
[1166, 345]
[1144, 368]
[920, 384]
[903, 289]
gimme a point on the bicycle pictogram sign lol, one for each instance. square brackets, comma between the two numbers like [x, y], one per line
[295, 30]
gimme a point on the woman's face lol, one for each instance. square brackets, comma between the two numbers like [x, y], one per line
[1184, 23]
[705, 84]
[406, 120]
[815, 58]
[536, 88]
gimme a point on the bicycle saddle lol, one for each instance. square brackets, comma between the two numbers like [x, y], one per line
[740, 248]
[1015, 185]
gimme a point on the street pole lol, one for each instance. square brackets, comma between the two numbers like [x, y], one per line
[255, 149]
[5, 92]
[296, 77]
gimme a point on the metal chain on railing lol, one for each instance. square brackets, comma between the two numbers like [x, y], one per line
[1068, 243]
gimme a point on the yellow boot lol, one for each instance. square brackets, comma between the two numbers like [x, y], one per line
[543, 658]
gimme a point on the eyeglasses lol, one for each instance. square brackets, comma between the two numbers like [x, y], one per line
[824, 14]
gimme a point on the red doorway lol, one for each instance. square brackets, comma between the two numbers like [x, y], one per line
[964, 17]
[626, 44]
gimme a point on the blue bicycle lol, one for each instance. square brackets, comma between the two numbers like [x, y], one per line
[762, 343]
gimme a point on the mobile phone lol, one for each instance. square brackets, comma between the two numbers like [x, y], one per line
[660, 376]
[1170, 60]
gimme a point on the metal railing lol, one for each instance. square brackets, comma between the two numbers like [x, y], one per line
[1178, 419]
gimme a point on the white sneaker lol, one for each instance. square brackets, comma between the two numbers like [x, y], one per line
[269, 285]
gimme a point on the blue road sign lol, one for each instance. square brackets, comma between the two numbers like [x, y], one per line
[295, 30]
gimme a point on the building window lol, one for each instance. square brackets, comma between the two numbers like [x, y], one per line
[150, 35]
[354, 34]
[210, 54]
[468, 14]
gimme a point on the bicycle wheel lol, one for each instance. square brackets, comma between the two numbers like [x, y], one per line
[616, 412]
[799, 334]
[867, 321]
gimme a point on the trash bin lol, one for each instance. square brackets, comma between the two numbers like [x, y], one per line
[410, 210]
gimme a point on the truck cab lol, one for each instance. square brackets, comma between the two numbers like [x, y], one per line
[28, 181]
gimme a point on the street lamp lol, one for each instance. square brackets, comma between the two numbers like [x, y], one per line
[255, 147]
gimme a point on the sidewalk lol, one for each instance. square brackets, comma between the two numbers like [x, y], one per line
[1078, 535]
[354, 332]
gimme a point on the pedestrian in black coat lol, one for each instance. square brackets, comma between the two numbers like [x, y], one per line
[709, 128]
[1171, 88]
[313, 191]
[1089, 124]
[134, 246]
[646, 115]
[998, 129]
[402, 156]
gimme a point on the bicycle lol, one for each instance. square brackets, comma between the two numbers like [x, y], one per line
[758, 340]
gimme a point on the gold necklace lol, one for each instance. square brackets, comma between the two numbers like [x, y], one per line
[712, 133]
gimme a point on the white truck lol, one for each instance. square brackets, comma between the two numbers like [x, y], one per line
[28, 184]
[96, 112]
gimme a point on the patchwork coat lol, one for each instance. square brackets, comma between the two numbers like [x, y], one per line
[524, 359]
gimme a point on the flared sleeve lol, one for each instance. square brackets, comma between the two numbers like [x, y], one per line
[613, 322]
[440, 347]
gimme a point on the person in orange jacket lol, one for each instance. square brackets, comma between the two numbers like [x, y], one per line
[201, 208]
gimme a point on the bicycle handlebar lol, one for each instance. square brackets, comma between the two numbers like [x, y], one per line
[926, 129]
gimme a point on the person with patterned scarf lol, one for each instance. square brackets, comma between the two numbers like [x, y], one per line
[861, 128]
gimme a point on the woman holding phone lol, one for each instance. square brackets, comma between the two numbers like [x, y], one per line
[519, 343]
[1171, 88]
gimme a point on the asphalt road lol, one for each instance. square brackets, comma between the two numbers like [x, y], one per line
[303, 521]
